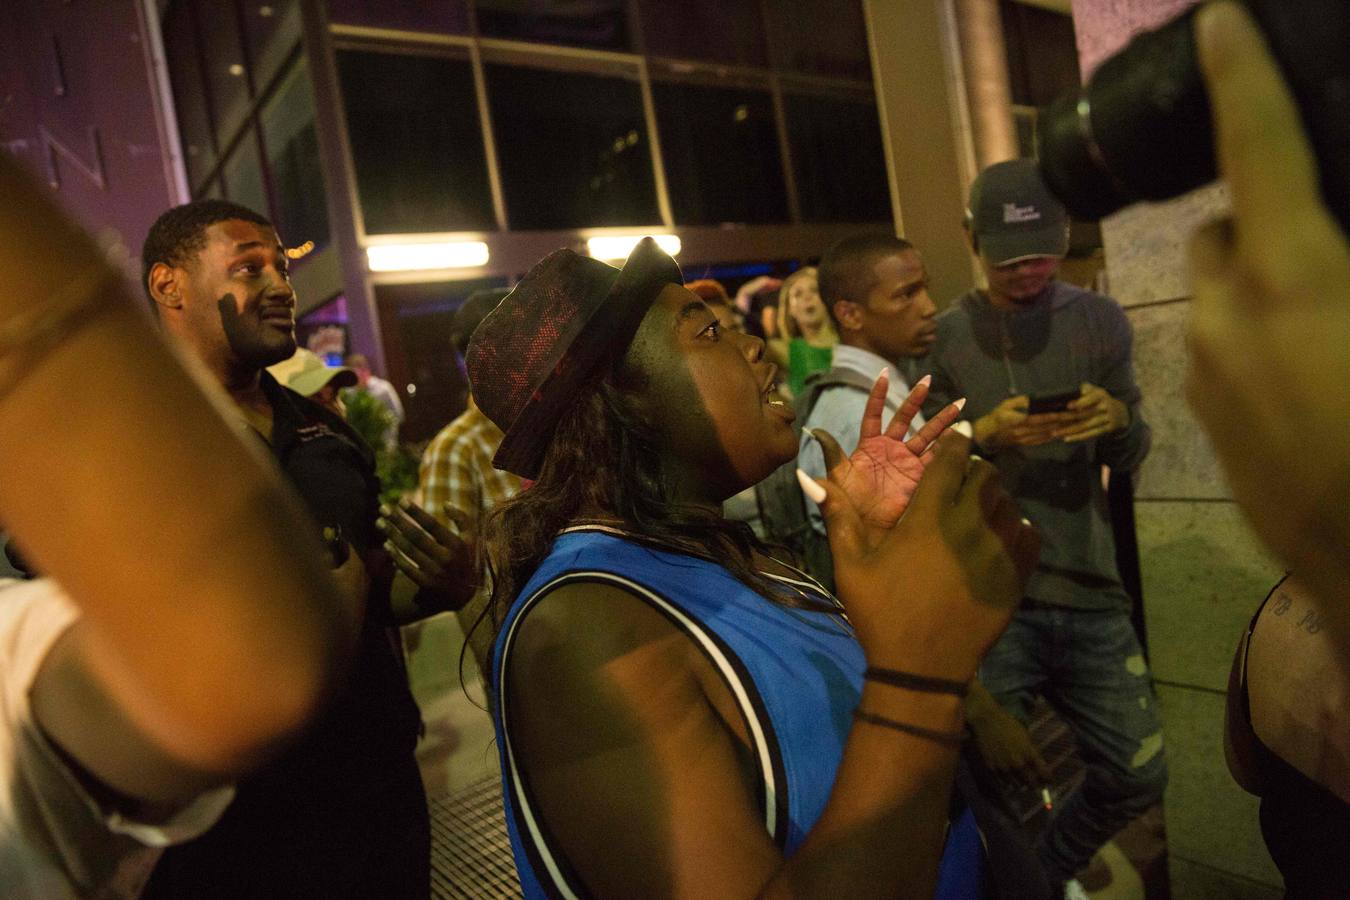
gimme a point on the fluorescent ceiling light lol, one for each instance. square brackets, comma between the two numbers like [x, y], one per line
[618, 246]
[412, 257]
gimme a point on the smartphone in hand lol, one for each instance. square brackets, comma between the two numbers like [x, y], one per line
[1047, 403]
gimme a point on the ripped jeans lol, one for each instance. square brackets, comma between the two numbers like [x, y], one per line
[1089, 666]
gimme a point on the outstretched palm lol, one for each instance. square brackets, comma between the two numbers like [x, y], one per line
[881, 475]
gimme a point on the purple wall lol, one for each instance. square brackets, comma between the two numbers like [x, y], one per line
[1104, 26]
[77, 106]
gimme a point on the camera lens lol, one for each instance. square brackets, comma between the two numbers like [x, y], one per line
[1139, 131]
[1141, 128]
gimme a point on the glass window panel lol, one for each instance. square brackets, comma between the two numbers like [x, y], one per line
[417, 142]
[720, 149]
[423, 315]
[601, 24]
[572, 149]
[226, 72]
[837, 159]
[442, 16]
[189, 98]
[272, 30]
[1042, 53]
[243, 175]
[725, 31]
[823, 37]
[323, 330]
[293, 158]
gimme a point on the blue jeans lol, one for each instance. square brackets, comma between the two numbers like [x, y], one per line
[1089, 666]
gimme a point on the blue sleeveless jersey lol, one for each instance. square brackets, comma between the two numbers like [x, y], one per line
[796, 675]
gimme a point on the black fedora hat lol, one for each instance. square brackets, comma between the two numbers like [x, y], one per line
[569, 316]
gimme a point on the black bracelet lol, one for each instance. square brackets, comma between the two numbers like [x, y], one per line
[945, 738]
[911, 682]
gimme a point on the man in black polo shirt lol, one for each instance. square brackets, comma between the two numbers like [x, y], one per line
[342, 813]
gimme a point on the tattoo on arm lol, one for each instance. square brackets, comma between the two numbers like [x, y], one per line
[1311, 621]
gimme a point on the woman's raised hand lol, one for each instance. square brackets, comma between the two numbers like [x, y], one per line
[934, 592]
[881, 475]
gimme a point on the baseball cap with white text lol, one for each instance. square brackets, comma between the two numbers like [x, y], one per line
[1014, 216]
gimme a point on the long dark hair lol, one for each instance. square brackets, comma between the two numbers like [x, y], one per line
[604, 457]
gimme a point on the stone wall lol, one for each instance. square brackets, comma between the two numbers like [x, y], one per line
[1203, 571]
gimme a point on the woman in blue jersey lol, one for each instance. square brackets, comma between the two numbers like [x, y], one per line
[678, 712]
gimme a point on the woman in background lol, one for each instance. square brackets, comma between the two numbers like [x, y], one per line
[806, 334]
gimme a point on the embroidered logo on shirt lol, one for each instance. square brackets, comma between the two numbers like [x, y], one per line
[1012, 213]
[312, 432]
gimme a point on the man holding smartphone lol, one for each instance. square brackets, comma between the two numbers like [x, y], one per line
[1051, 399]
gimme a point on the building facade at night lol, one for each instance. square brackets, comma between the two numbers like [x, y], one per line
[414, 151]
[424, 150]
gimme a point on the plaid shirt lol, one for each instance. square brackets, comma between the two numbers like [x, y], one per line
[457, 469]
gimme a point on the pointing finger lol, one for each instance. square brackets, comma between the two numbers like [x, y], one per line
[1260, 138]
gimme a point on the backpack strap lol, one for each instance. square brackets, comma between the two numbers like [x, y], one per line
[818, 383]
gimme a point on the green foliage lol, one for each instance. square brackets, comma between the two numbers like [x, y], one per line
[371, 418]
[397, 471]
[394, 466]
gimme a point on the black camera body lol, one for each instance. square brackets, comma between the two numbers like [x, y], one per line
[1141, 128]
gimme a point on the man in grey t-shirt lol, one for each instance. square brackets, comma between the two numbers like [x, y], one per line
[1009, 350]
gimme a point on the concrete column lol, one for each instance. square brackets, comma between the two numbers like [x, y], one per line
[984, 65]
[916, 71]
[339, 180]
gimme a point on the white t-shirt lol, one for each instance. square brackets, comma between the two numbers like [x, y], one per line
[56, 841]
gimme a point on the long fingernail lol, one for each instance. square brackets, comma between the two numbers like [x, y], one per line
[924, 381]
[385, 510]
[884, 373]
[810, 488]
[963, 428]
[959, 404]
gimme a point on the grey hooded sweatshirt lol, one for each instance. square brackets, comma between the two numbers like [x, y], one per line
[1063, 338]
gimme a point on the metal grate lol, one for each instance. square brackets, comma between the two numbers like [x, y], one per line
[1053, 738]
[470, 847]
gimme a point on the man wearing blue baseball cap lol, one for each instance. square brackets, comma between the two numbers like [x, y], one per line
[1051, 399]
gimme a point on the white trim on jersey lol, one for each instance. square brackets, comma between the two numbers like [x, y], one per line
[710, 646]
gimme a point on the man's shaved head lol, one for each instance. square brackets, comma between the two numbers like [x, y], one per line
[180, 234]
[847, 268]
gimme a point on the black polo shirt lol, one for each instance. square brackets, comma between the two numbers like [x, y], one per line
[327, 462]
[343, 810]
